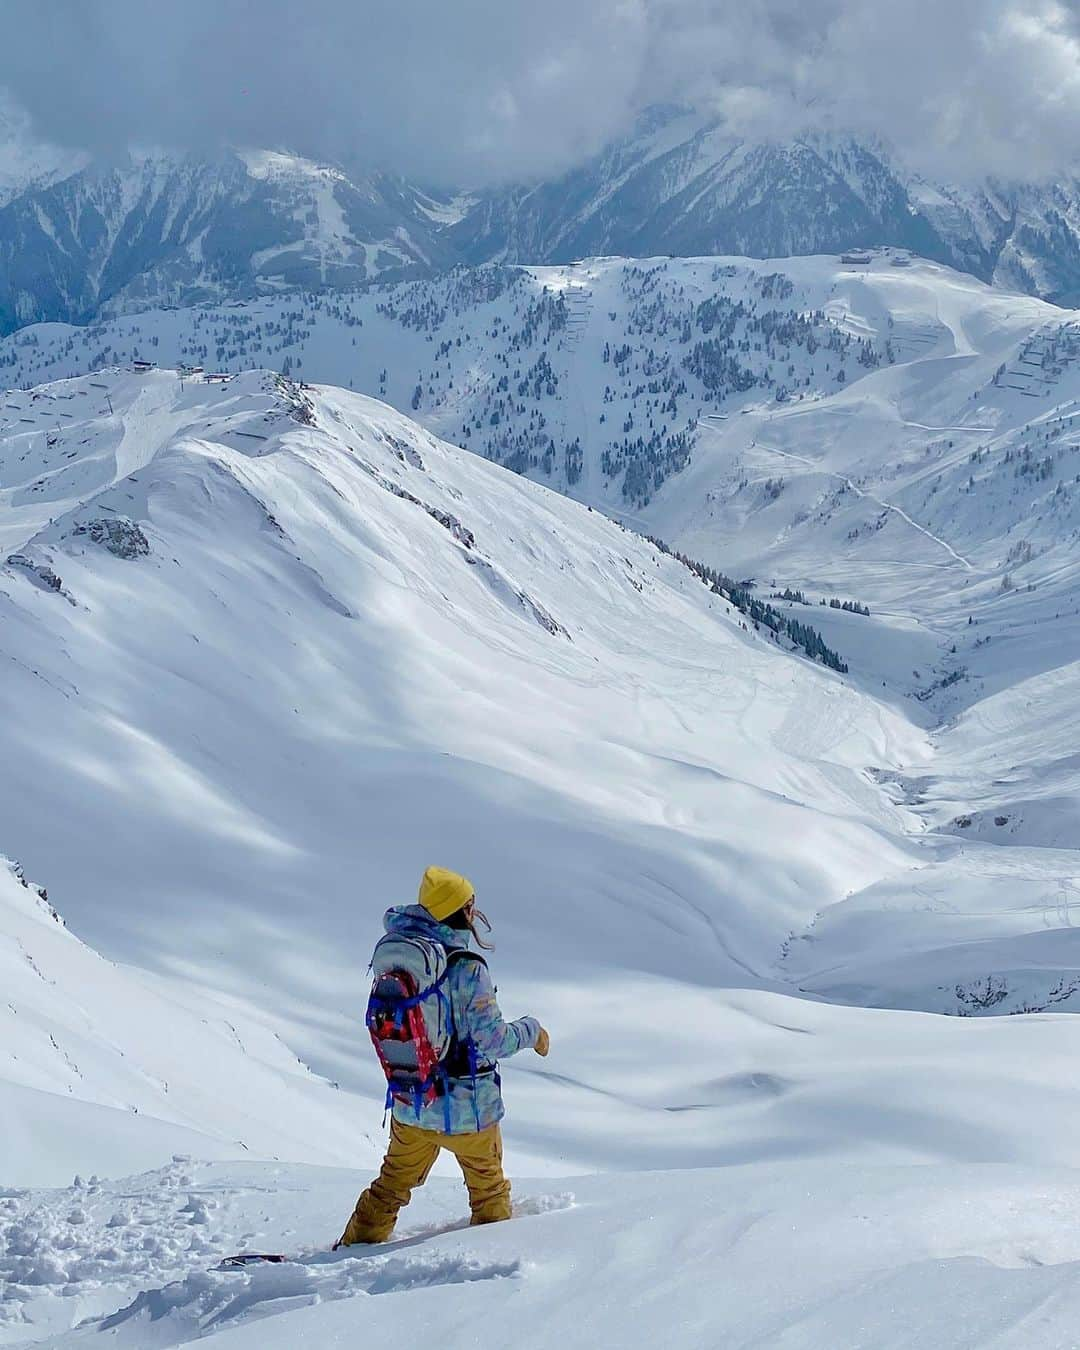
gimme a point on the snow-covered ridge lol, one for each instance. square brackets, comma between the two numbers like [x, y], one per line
[902, 436]
[887, 431]
[279, 164]
[737, 409]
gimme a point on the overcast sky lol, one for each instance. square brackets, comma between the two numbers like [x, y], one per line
[472, 91]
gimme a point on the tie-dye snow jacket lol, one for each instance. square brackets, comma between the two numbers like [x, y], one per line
[472, 1105]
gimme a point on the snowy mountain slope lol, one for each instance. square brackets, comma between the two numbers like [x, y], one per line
[111, 1063]
[250, 607]
[164, 229]
[940, 490]
[592, 379]
[886, 1258]
[702, 401]
[270, 649]
[988, 932]
[742, 411]
[1014, 755]
[244, 649]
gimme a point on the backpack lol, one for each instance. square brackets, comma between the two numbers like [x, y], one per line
[410, 1017]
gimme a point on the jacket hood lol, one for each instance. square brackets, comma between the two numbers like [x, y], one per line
[415, 921]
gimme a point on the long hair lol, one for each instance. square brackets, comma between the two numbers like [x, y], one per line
[463, 922]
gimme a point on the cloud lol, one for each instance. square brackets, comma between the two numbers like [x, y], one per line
[485, 90]
[962, 88]
[447, 89]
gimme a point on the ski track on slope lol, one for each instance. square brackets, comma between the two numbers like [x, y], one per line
[869, 496]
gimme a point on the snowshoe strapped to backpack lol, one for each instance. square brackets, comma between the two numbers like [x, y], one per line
[410, 1017]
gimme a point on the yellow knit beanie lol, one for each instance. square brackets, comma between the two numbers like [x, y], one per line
[443, 892]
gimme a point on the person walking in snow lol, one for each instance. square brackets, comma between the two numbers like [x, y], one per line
[439, 1034]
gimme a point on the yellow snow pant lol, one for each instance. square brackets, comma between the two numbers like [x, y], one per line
[408, 1161]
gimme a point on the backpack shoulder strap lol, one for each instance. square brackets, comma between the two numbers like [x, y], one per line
[462, 1060]
[463, 954]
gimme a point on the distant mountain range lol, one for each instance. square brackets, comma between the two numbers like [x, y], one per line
[81, 239]
[160, 230]
[681, 185]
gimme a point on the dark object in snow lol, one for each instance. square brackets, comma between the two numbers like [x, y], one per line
[250, 1259]
[297, 404]
[121, 536]
[42, 576]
